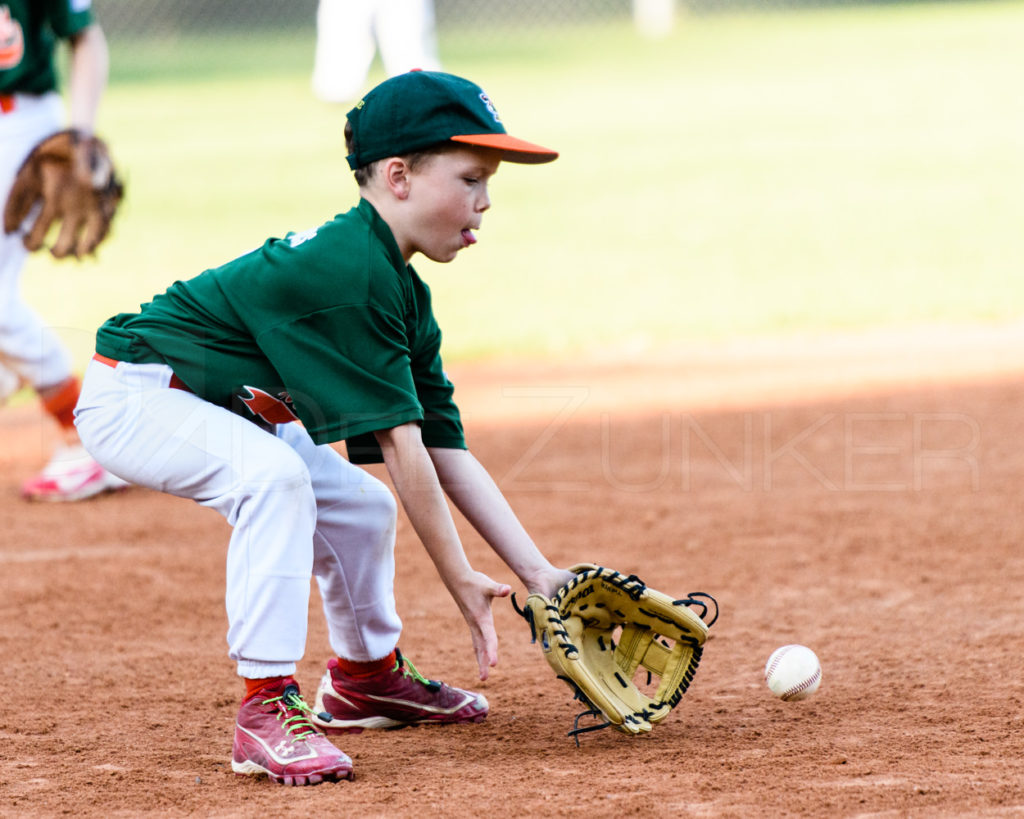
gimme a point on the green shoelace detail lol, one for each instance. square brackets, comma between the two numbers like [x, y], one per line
[404, 664]
[296, 722]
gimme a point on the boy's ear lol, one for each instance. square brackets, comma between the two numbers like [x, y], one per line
[395, 174]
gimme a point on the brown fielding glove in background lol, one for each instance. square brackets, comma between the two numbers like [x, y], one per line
[578, 628]
[71, 177]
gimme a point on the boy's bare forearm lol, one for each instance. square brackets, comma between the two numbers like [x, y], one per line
[89, 68]
[478, 497]
[416, 482]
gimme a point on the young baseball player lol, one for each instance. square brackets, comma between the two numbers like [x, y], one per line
[30, 110]
[228, 389]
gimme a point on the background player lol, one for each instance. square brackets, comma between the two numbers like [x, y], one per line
[349, 33]
[30, 110]
[195, 395]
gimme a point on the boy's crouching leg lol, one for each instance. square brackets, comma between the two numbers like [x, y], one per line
[270, 562]
[354, 546]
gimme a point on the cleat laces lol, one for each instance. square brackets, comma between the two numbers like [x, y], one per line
[404, 664]
[298, 726]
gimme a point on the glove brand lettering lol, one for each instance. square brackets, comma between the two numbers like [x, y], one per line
[572, 601]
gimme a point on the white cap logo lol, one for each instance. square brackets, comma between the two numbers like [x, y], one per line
[490, 106]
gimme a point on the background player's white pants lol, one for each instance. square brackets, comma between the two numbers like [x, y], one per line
[348, 33]
[27, 345]
[296, 509]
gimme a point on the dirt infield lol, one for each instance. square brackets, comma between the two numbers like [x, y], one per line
[861, 496]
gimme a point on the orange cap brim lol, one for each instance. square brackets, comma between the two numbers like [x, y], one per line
[513, 150]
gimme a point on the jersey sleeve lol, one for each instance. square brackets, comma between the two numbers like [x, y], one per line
[441, 422]
[69, 17]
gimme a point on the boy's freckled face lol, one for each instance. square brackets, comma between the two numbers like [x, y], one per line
[447, 199]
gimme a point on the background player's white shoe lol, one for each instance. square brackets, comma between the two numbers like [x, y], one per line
[71, 475]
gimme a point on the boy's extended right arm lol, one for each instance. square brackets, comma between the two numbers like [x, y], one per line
[415, 479]
[474, 492]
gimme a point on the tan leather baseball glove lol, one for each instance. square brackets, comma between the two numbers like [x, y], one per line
[603, 632]
[68, 178]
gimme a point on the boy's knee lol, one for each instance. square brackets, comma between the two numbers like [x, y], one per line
[377, 514]
[387, 507]
[379, 505]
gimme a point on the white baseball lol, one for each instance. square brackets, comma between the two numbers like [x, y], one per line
[792, 673]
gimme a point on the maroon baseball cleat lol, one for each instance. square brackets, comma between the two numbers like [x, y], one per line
[391, 699]
[275, 736]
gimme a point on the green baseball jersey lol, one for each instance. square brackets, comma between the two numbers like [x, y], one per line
[329, 326]
[28, 31]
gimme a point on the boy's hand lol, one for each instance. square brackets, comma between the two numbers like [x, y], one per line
[549, 581]
[474, 597]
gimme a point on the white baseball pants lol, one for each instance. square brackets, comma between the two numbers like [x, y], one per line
[27, 346]
[297, 510]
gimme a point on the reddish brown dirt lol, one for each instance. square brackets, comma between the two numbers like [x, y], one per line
[861, 498]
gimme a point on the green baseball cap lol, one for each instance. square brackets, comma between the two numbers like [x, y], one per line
[420, 109]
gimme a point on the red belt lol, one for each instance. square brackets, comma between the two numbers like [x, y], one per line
[6, 103]
[176, 383]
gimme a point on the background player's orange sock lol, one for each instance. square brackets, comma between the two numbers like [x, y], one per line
[354, 669]
[60, 399]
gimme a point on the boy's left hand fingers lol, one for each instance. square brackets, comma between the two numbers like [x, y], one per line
[481, 621]
[487, 650]
[490, 657]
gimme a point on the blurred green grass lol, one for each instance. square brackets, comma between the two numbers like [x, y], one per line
[751, 174]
